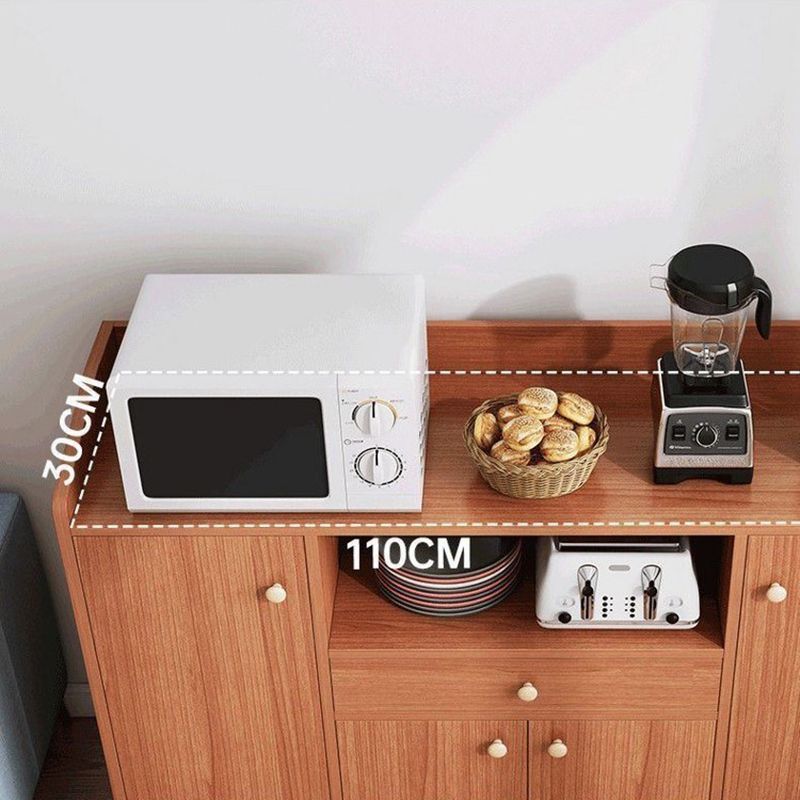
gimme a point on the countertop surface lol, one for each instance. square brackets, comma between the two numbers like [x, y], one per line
[609, 363]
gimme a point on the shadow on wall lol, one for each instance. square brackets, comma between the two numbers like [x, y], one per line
[545, 297]
[552, 297]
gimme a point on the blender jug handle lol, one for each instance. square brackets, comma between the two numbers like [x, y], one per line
[763, 308]
[658, 276]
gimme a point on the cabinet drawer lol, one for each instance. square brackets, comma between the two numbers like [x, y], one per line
[582, 686]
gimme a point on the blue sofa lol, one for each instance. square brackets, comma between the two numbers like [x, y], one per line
[32, 673]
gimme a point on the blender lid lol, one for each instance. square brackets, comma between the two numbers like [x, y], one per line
[711, 279]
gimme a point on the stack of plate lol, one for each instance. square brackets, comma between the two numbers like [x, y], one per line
[455, 591]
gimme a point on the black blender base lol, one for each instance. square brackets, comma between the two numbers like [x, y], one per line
[673, 475]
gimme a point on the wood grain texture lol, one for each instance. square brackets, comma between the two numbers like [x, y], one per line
[419, 685]
[764, 746]
[365, 621]
[212, 691]
[620, 489]
[322, 562]
[393, 760]
[731, 583]
[65, 498]
[585, 344]
[622, 760]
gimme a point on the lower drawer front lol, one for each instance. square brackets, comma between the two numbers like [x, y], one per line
[588, 685]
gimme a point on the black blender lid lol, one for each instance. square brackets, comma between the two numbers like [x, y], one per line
[711, 279]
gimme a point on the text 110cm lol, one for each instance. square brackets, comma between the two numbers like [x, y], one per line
[396, 552]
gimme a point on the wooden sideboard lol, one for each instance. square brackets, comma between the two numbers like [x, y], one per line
[208, 687]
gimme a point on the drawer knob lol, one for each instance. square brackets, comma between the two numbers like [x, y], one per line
[557, 749]
[527, 692]
[776, 593]
[497, 749]
[276, 593]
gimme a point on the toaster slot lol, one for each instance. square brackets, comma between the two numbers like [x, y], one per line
[628, 544]
[651, 584]
[587, 587]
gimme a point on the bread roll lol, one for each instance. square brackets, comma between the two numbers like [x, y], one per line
[538, 402]
[559, 445]
[557, 421]
[523, 433]
[507, 455]
[507, 413]
[586, 438]
[576, 408]
[486, 430]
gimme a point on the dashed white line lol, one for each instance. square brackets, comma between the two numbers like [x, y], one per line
[763, 523]
[434, 372]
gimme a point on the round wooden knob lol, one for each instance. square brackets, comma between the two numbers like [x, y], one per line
[527, 692]
[276, 593]
[556, 749]
[497, 749]
[776, 593]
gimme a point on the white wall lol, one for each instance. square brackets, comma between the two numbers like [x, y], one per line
[531, 159]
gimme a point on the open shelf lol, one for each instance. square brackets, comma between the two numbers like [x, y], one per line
[365, 621]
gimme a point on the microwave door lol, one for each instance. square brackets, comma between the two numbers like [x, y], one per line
[259, 452]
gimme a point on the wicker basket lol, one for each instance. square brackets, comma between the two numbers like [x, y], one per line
[541, 480]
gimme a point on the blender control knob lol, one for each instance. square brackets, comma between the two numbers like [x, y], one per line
[706, 436]
[374, 417]
[378, 466]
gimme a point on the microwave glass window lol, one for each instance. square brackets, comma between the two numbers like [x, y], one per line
[229, 446]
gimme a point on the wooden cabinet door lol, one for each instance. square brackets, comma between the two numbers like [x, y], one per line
[622, 760]
[432, 760]
[764, 746]
[212, 691]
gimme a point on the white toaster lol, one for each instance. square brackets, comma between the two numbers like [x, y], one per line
[627, 582]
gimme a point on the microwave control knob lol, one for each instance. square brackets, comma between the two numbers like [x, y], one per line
[374, 417]
[378, 466]
[776, 593]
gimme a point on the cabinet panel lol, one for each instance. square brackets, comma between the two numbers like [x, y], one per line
[212, 690]
[432, 760]
[764, 744]
[627, 759]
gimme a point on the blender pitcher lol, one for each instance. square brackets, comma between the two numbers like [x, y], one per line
[711, 288]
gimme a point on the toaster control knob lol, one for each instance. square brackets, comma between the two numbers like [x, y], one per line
[672, 618]
[706, 436]
[374, 417]
[565, 617]
[378, 466]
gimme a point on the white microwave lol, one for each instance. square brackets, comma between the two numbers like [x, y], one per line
[286, 393]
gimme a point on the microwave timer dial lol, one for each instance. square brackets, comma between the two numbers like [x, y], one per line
[378, 466]
[374, 417]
